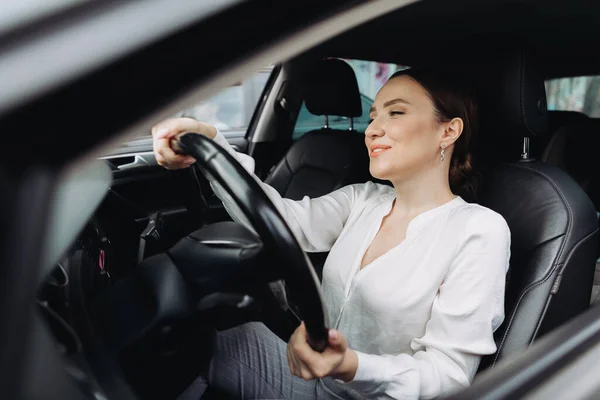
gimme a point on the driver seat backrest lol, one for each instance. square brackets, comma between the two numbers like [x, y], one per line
[324, 160]
[554, 235]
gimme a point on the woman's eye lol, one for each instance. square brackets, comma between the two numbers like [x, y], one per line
[394, 113]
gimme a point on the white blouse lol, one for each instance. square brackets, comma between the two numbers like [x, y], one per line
[420, 316]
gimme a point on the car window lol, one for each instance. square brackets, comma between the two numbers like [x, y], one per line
[580, 94]
[231, 109]
[370, 76]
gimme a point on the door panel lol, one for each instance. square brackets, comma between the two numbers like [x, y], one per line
[137, 193]
[141, 189]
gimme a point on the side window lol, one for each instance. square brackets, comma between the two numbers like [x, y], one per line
[231, 109]
[371, 76]
[580, 94]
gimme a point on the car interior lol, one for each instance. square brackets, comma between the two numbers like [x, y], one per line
[132, 304]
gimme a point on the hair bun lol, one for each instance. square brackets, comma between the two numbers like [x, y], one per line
[463, 181]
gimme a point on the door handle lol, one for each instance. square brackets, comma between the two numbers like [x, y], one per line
[138, 161]
[124, 162]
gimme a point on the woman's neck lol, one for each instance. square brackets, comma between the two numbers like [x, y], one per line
[422, 192]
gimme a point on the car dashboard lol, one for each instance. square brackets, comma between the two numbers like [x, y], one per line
[93, 283]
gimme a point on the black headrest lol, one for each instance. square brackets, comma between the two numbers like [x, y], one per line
[332, 89]
[513, 95]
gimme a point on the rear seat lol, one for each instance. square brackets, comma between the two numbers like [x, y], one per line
[574, 147]
[557, 119]
[560, 124]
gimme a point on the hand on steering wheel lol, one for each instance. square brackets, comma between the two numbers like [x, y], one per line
[302, 284]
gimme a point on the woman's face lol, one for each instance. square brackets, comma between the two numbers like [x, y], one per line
[404, 136]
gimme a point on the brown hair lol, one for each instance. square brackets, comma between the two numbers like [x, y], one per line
[452, 98]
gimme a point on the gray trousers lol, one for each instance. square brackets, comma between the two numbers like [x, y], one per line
[250, 362]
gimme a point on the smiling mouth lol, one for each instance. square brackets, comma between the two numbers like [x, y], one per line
[377, 151]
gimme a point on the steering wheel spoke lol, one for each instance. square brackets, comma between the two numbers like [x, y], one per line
[277, 243]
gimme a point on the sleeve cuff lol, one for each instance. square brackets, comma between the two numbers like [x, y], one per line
[377, 374]
[369, 376]
[221, 141]
[244, 159]
[369, 368]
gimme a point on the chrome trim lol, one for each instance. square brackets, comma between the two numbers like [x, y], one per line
[142, 159]
[141, 154]
[525, 153]
[219, 242]
[245, 302]
[138, 161]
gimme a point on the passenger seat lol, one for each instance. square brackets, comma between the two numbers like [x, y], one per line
[326, 159]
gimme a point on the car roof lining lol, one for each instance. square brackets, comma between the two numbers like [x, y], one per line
[430, 31]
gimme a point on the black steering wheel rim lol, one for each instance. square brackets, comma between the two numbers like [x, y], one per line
[271, 227]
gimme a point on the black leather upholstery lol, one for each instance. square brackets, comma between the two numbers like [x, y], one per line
[552, 221]
[554, 240]
[332, 89]
[512, 103]
[513, 97]
[320, 162]
[326, 159]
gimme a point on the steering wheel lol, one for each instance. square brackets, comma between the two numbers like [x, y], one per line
[302, 287]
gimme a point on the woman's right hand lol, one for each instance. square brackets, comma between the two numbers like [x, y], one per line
[165, 131]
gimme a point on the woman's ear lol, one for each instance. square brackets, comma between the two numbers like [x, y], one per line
[452, 131]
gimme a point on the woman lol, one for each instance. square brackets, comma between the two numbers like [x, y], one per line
[414, 281]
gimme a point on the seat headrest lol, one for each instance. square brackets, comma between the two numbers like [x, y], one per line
[513, 95]
[332, 89]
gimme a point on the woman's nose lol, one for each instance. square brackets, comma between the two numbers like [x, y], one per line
[373, 130]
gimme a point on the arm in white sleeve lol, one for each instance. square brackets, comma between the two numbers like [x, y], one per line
[467, 310]
[316, 223]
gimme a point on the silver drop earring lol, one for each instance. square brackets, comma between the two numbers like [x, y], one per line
[442, 153]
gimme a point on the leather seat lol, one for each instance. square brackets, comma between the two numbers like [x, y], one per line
[552, 220]
[324, 160]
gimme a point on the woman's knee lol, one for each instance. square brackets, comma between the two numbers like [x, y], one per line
[248, 357]
[244, 343]
[242, 335]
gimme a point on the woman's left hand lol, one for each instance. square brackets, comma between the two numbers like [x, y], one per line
[336, 360]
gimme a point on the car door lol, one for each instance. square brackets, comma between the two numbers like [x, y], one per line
[148, 207]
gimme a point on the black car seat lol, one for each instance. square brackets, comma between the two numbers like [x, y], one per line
[325, 159]
[552, 221]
